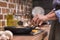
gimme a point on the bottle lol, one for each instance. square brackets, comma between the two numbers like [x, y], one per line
[10, 19]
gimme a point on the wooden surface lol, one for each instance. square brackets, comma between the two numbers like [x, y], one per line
[35, 37]
[47, 29]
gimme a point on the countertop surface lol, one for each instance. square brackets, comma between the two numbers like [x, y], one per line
[39, 36]
[31, 37]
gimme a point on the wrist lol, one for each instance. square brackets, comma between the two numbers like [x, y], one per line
[45, 18]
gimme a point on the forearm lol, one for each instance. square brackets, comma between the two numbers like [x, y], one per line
[51, 16]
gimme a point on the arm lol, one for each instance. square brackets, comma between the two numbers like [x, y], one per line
[51, 16]
[39, 19]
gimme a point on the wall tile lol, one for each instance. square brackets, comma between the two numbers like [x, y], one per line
[5, 10]
[3, 23]
[1, 16]
[11, 5]
[3, 4]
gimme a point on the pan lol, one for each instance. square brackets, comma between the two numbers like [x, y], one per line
[25, 30]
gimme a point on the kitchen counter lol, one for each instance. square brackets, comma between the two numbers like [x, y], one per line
[39, 36]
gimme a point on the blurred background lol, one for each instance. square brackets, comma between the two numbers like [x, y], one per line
[12, 11]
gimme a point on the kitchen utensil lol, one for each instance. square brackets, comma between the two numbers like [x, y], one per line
[14, 30]
[25, 30]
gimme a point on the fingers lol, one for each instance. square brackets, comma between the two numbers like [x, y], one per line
[34, 19]
[41, 23]
[37, 21]
[34, 22]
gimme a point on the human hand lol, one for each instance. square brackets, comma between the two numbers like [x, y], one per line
[39, 19]
[33, 21]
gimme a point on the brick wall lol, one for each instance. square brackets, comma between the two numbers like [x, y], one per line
[5, 7]
[11, 5]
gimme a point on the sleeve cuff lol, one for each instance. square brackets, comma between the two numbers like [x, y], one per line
[58, 14]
